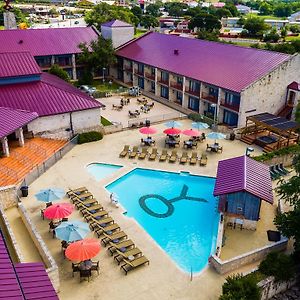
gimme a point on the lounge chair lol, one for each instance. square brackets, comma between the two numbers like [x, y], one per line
[173, 156]
[134, 152]
[153, 154]
[128, 244]
[124, 151]
[203, 160]
[184, 157]
[99, 224]
[282, 169]
[143, 154]
[124, 255]
[120, 235]
[274, 174]
[85, 204]
[194, 158]
[164, 155]
[130, 265]
[91, 210]
[108, 229]
[81, 197]
[89, 215]
[77, 191]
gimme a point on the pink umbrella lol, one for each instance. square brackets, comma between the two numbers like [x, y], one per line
[58, 211]
[191, 132]
[172, 131]
[147, 130]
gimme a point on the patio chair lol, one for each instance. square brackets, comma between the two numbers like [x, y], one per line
[173, 156]
[124, 151]
[85, 274]
[75, 268]
[203, 160]
[120, 235]
[153, 154]
[95, 266]
[208, 147]
[194, 158]
[184, 157]
[123, 246]
[130, 265]
[143, 154]
[108, 229]
[164, 155]
[131, 252]
[134, 152]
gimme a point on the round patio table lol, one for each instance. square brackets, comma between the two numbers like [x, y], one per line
[85, 265]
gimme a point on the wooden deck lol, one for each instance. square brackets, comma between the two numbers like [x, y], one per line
[22, 160]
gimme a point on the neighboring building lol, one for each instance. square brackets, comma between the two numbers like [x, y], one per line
[230, 22]
[50, 46]
[207, 77]
[118, 31]
[183, 27]
[241, 184]
[278, 24]
[243, 9]
[219, 4]
[40, 104]
[295, 17]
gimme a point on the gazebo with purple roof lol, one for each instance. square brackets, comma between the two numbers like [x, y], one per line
[241, 184]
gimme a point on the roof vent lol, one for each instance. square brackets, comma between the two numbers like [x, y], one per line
[20, 41]
[176, 51]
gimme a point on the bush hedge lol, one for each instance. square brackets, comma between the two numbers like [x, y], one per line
[294, 149]
[200, 118]
[89, 137]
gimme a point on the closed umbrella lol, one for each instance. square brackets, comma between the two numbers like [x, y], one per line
[50, 195]
[200, 125]
[147, 130]
[216, 136]
[72, 231]
[191, 132]
[58, 211]
[172, 131]
[83, 250]
[173, 124]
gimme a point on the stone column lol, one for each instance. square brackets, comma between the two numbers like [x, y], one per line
[9, 20]
[5, 147]
[21, 137]
[52, 60]
[184, 96]
[218, 105]
[74, 74]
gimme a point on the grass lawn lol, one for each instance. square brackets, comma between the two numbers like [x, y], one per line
[292, 38]
[246, 44]
[105, 87]
[139, 32]
[105, 122]
[265, 17]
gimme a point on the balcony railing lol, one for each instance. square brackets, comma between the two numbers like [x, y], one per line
[177, 85]
[210, 98]
[138, 72]
[235, 107]
[162, 81]
[128, 68]
[193, 92]
[150, 76]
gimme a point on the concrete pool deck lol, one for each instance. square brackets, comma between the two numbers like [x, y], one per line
[161, 279]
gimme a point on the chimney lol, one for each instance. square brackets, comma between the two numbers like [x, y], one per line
[176, 51]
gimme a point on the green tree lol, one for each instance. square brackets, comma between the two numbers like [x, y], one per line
[176, 9]
[297, 115]
[208, 35]
[103, 12]
[255, 26]
[265, 8]
[294, 28]
[148, 21]
[232, 8]
[137, 11]
[283, 32]
[223, 13]
[282, 10]
[205, 21]
[153, 10]
[271, 36]
[59, 72]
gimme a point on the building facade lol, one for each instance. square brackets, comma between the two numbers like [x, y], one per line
[220, 81]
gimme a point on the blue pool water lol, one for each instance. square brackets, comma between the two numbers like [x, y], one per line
[178, 210]
[100, 171]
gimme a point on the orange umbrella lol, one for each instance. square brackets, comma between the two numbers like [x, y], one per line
[83, 250]
[58, 211]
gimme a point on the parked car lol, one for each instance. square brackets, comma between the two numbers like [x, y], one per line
[76, 22]
[88, 89]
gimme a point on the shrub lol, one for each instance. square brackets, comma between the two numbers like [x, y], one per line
[200, 118]
[89, 137]
[59, 72]
[237, 287]
[279, 265]
[105, 122]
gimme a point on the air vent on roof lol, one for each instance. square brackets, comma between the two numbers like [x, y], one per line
[176, 51]
[20, 41]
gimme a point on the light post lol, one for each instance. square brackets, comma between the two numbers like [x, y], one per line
[103, 73]
[215, 113]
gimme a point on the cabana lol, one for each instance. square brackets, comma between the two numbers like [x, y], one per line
[241, 184]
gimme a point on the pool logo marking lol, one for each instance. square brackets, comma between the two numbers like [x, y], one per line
[168, 203]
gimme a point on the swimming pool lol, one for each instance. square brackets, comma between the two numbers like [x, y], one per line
[178, 210]
[101, 170]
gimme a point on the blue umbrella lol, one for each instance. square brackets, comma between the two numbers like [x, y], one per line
[216, 136]
[50, 195]
[173, 124]
[200, 125]
[72, 231]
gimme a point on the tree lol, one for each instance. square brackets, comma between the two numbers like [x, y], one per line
[255, 26]
[294, 28]
[205, 21]
[283, 32]
[282, 10]
[59, 72]
[297, 115]
[97, 55]
[265, 9]
[232, 8]
[176, 9]
[137, 11]
[148, 21]
[223, 13]
[103, 12]
[272, 36]
[153, 10]
[208, 35]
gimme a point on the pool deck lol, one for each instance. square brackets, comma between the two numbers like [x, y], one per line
[161, 279]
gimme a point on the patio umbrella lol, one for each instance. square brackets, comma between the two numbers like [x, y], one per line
[200, 125]
[216, 136]
[58, 211]
[191, 132]
[173, 124]
[148, 130]
[83, 250]
[72, 231]
[172, 131]
[50, 195]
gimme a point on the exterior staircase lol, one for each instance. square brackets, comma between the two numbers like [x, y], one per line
[285, 112]
[248, 139]
[22, 160]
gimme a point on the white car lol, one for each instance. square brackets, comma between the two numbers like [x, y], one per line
[88, 89]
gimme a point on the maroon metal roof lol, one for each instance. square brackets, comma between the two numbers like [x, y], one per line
[18, 64]
[228, 66]
[294, 86]
[12, 119]
[116, 23]
[244, 174]
[50, 41]
[50, 96]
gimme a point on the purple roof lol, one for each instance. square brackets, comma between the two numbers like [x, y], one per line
[12, 119]
[50, 41]
[50, 96]
[227, 66]
[294, 86]
[116, 23]
[17, 64]
[244, 174]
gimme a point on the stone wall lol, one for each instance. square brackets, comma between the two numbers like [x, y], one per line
[8, 197]
[286, 160]
[50, 264]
